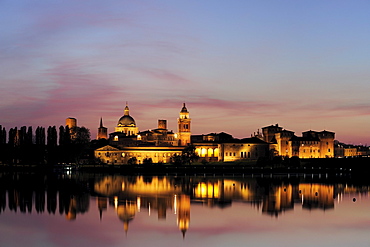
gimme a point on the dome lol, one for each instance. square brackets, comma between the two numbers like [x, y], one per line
[126, 120]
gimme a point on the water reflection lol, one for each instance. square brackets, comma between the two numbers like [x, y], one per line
[129, 195]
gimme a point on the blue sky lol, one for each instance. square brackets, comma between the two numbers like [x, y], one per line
[238, 65]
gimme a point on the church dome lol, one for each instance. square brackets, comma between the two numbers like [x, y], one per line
[126, 120]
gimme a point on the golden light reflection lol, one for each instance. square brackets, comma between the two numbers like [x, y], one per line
[115, 202]
[175, 204]
[207, 190]
[138, 202]
[183, 217]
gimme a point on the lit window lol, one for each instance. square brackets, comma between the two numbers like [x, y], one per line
[115, 138]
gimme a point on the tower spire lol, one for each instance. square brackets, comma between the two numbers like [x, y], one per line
[127, 110]
[101, 122]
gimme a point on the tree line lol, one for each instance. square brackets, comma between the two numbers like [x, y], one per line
[44, 146]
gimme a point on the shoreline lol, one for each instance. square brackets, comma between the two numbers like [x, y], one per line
[359, 166]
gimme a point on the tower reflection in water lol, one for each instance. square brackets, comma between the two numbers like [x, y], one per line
[129, 195]
[153, 193]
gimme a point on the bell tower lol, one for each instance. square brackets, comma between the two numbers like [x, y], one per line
[184, 127]
[102, 131]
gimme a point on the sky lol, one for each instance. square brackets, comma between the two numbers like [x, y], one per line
[238, 65]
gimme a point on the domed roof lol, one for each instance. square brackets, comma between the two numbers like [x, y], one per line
[126, 120]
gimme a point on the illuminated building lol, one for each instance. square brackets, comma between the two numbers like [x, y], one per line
[102, 131]
[119, 156]
[184, 127]
[312, 144]
[349, 150]
[244, 149]
[160, 136]
[128, 145]
[71, 122]
[230, 149]
[126, 124]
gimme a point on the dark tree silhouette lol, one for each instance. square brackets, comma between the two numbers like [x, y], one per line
[187, 157]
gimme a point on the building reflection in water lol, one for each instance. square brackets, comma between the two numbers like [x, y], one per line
[129, 195]
[183, 213]
[317, 196]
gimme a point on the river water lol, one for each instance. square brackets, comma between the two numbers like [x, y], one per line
[83, 209]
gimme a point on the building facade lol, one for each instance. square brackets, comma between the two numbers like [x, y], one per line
[128, 145]
[312, 144]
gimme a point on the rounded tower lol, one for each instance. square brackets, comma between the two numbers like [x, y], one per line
[184, 132]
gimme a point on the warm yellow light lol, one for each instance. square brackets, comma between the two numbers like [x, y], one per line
[204, 151]
[138, 202]
[175, 204]
[201, 190]
[115, 202]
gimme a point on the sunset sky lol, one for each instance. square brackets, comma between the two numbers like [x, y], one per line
[238, 65]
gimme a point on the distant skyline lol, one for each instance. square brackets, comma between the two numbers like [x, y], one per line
[238, 65]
